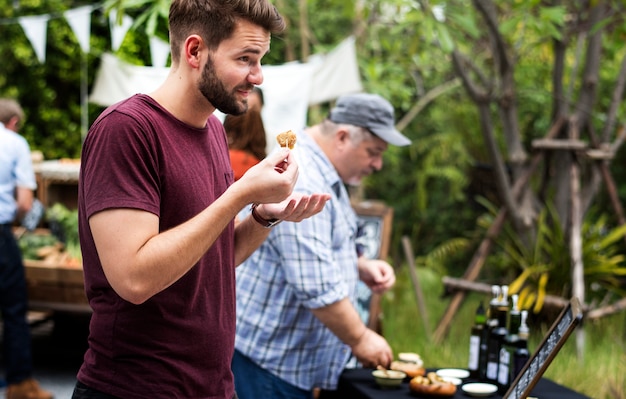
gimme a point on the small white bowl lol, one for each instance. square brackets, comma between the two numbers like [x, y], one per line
[479, 389]
[389, 378]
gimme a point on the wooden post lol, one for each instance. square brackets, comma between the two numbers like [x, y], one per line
[419, 295]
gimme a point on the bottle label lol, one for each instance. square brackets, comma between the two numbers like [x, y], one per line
[492, 370]
[474, 352]
[503, 368]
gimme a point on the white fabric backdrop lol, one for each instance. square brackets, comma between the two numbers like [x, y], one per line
[288, 89]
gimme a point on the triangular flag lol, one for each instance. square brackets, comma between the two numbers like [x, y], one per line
[35, 29]
[79, 20]
[160, 50]
[118, 32]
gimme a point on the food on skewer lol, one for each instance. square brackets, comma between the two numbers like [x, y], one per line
[286, 139]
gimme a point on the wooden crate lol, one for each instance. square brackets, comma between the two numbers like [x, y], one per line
[55, 287]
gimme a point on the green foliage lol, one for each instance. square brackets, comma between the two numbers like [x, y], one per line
[31, 242]
[424, 182]
[150, 16]
[603, 255]
[66, 222]
[544, 267]
[63, 224]
[50, 93]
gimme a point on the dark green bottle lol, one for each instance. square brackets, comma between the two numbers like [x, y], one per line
[505, 365]
[476, 336]
[521, 353]
[497, 336]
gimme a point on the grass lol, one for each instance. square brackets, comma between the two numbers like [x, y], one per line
[599, 374]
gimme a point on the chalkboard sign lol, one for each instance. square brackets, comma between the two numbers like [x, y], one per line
[560, 330]
[374, 220]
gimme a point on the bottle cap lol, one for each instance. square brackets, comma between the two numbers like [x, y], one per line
[515, 306]
[505, 295]
[495, 293]
[523, 328]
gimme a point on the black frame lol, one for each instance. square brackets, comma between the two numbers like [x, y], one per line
[552, 342]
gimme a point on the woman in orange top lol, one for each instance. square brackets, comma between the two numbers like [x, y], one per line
[246, 140]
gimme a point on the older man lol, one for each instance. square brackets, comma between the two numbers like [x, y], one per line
[297, 325]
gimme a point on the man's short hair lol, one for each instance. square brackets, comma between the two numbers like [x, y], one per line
[10, 108]
[214, 20]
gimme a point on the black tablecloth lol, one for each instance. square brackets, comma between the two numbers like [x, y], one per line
[359, 384]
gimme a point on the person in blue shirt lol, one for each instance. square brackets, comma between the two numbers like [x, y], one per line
[297, 322]
[17, 182]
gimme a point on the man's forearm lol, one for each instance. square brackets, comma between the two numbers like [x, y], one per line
[24, 199]
[343, 320]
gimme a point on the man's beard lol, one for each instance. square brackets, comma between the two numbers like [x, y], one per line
[214, 91]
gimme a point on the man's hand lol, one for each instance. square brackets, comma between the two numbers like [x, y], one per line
[295, 208]
[372, 350]
[271, 180]
[377, 274]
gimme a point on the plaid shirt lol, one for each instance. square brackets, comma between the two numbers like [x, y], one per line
[300, 266]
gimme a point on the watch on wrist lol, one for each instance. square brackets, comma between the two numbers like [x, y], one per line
[267, 223]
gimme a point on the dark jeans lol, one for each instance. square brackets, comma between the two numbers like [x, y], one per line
[250, 380]
[14, 305]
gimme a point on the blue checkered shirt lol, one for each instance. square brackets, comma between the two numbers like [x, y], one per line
[300, 266]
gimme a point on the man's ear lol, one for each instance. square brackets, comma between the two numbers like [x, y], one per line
[13, 123]
[342, 135]
[193, 46]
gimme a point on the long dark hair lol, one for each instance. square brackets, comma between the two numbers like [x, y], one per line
[246, 132]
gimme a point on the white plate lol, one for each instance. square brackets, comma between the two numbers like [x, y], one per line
[456, 373]
[479, 389]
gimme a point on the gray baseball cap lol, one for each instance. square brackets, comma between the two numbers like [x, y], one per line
[370, 111]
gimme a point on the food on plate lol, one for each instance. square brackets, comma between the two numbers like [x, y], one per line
[431, 385]
[286, 139]
[409, 362]
[410, 357]
[411, 369]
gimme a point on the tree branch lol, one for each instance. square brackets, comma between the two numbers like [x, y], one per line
[476, 93]
[426, 99]
[487, 10]
[616, 101]
[591, 70]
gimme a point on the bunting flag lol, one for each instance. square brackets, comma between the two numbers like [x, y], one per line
[160, 51]
[79, 20]
[35, 29]
[118, 32]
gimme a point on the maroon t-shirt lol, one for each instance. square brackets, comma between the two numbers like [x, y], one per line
[179, 343]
